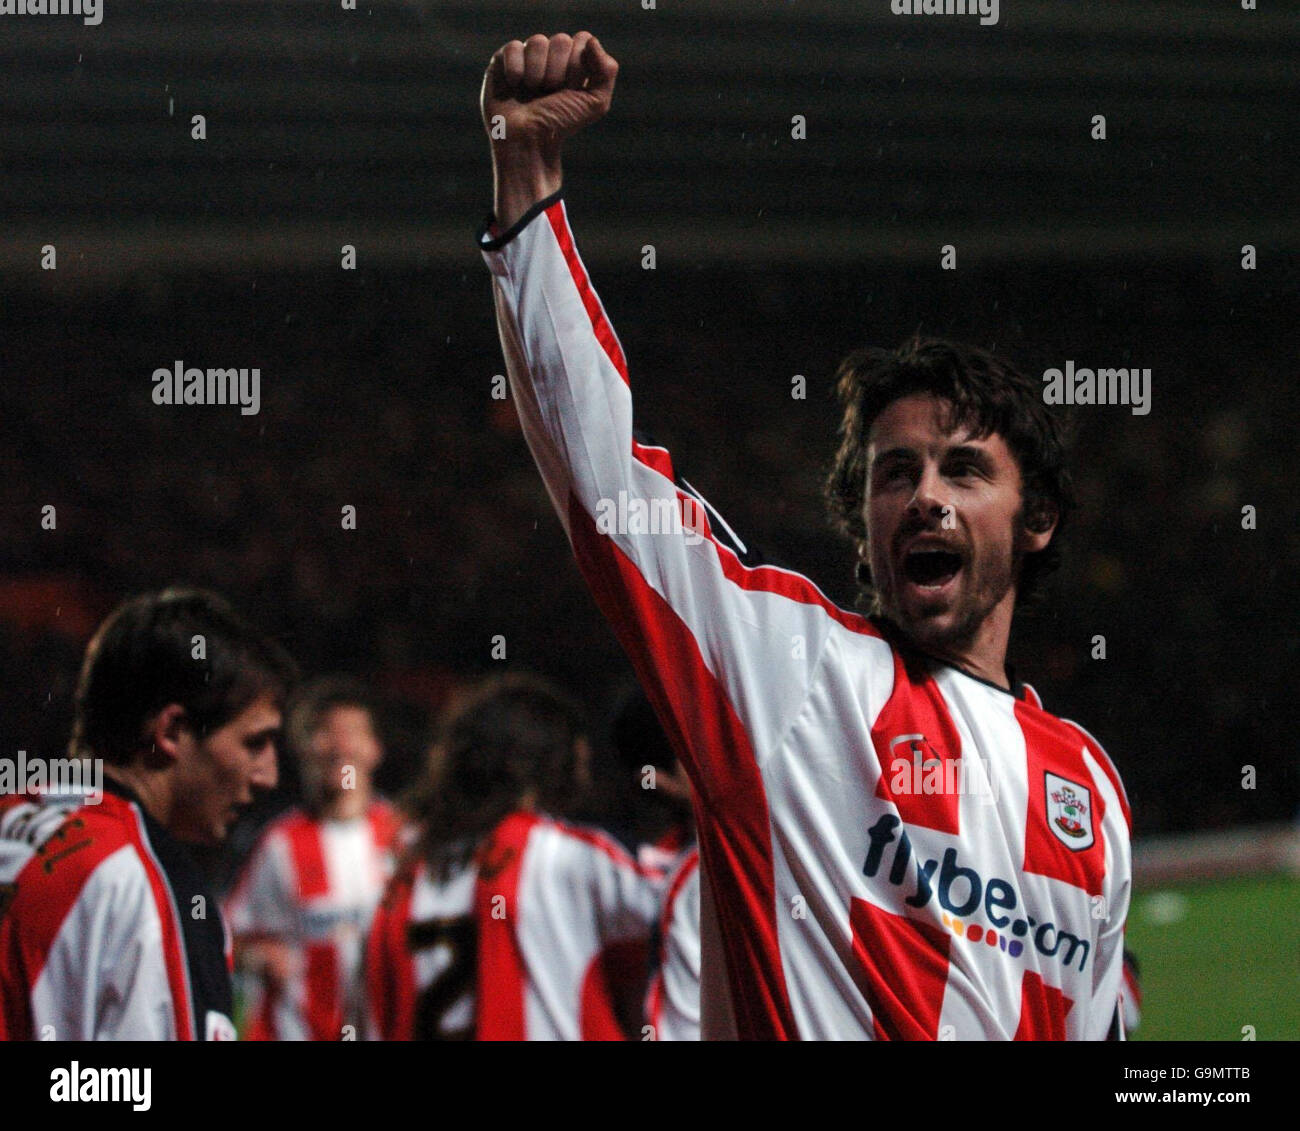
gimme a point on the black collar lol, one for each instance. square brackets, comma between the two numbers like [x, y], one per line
[157, 831]
[913, 653]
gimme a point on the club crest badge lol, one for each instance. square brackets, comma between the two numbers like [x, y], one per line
[1069, 812]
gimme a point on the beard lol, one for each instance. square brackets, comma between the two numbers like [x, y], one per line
[947, 624]
[936, 632]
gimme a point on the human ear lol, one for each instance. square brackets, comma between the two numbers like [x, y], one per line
[165, 733]
[1037, 527]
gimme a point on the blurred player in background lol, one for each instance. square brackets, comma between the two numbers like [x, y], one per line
[648, 807]
[107, 928]
[662, 826]
[507, 922]
[838, 899]
[672, 1007]
[302, 906]
[667, 836]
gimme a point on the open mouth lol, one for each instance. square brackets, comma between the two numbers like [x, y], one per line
[931, 569]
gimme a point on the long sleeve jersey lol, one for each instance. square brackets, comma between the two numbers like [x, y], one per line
[840, 897]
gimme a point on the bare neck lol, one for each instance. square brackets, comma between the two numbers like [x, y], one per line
[152, 788]
[349, 804]
[984, 655]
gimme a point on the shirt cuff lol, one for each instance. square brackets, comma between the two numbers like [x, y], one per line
[490, 236]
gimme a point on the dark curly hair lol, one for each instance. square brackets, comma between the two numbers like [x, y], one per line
[515, 733]
[988, 395]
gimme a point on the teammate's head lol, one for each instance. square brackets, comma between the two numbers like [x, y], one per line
[330, 731]
[178, 689]
[515, 742]
[951, 479]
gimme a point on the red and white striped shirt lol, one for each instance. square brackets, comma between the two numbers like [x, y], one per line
[421, 964]
[107, 929]
[673, 1000]
[545, 936]
[314, 884]
[836, 902]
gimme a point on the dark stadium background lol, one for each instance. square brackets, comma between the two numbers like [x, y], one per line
[775, 257]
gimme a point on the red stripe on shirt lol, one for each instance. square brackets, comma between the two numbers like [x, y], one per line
[45, 892]
[654, 1007]
[502, 976]
[905, 967]
[912, 733]
[657, 459]
[714, 747]
[604, 331]
[384, 824]
[1042, 1010]
[262, 1026]
[173, 946]
[390, 972]
[610, 995]
[308, 855]
[323, 1009]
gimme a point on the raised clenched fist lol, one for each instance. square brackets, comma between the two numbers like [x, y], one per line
[538, 93]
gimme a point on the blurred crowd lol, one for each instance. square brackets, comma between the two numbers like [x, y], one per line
[377, 394]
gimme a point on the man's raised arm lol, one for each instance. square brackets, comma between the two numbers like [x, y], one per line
[535, 95]
[725, 650]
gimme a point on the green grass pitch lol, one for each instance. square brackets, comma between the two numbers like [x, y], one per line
[1217, 957]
